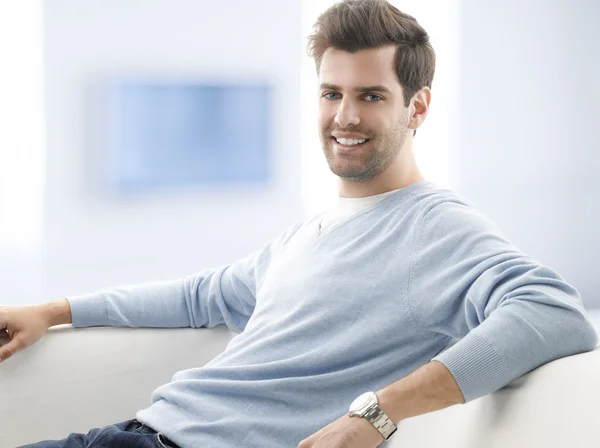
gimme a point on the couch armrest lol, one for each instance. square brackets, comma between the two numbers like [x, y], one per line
[74, 380]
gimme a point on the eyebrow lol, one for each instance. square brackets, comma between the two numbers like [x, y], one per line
[357, 89]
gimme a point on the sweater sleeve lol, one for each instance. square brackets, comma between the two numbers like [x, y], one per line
[226, 295]
[509, 313]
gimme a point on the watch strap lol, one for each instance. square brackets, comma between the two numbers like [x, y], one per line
[381, 421]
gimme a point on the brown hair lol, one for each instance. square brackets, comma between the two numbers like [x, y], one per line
[353, 25]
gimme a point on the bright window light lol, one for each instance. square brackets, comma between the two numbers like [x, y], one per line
[21, 124]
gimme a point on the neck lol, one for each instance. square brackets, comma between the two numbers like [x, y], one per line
[402, 172]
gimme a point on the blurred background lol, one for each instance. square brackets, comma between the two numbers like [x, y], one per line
[512, 127]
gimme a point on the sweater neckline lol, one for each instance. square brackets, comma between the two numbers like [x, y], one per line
[396, 195]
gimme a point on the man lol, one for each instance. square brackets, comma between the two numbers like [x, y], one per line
[404, 291]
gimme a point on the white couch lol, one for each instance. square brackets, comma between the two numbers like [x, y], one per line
[77, 379]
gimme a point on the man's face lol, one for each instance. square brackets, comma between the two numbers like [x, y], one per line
[360, 98]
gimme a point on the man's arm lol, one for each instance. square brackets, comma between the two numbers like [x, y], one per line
[226, 295]
[211, 297]
[429, 388]
[509, 313]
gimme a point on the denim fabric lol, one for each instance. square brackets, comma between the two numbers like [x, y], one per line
[127, 434]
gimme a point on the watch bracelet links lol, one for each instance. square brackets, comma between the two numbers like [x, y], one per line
[381, 422]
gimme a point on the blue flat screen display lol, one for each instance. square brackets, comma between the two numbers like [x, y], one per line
[177, 135]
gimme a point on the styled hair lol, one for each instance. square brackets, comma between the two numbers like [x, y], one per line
[353, 25]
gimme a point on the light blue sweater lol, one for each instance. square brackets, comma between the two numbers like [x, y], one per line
[324, 317]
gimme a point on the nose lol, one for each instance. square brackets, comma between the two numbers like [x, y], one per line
[347, 114]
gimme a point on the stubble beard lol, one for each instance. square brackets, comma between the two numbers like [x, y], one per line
[384, 150]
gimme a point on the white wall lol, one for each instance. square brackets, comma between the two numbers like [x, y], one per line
[530, 155]
[92, 241]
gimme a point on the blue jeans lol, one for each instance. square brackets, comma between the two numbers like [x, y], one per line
[127, 434]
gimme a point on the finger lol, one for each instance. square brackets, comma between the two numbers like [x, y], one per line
[6, 351]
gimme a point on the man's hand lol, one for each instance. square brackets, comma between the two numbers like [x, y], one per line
[25, 325]
[345, 432]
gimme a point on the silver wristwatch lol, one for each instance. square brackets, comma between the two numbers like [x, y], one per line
[367, 406]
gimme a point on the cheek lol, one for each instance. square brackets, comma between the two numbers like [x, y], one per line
[326, 115]
[381, 125]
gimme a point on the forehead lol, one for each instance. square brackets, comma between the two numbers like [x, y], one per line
[373, 66]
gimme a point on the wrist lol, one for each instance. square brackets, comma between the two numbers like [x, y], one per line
[57, 312]
[391, 404]
[429, 388]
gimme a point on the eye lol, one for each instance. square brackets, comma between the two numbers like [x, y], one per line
[374, 98]
[330, 95]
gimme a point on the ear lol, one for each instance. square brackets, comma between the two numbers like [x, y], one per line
[419, 108]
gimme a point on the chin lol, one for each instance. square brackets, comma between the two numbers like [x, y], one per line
[351, 174]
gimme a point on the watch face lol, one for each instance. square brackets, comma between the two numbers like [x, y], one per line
[362, 403]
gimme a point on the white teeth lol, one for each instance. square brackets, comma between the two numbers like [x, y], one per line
[349, 141]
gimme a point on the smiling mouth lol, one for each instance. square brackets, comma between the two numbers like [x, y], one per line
[350, 143]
